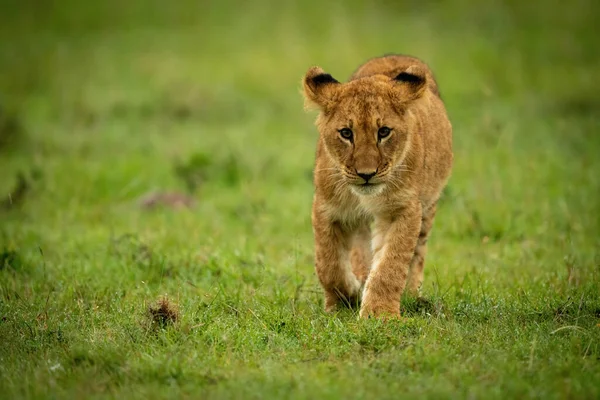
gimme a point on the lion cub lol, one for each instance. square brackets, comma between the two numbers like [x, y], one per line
[384, 155]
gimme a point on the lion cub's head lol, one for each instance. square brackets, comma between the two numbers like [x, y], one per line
[365, 124]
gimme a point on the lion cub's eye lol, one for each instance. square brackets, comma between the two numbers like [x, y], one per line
[346, 133]
[383, 132]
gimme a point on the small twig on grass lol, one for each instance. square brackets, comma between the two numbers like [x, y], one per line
[237, 312]
[258, 319]
[574, 327]
[191, 284]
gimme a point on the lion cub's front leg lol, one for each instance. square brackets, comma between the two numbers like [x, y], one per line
[332, 261]
[361, 254]
[394, 241]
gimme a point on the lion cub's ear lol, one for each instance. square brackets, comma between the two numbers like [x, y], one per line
[319, 88]
[410, 84]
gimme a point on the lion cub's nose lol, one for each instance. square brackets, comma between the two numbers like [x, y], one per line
[366, 175]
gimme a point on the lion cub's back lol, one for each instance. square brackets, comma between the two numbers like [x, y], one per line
[391, 65]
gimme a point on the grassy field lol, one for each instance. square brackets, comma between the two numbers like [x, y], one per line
[104, 106]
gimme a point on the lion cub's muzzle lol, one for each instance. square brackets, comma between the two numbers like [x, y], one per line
[367, 183]
[366, 175]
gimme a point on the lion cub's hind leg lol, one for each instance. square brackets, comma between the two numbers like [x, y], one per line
[417, 264]
[362, 255]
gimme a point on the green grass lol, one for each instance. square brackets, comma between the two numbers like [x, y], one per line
[102, 103]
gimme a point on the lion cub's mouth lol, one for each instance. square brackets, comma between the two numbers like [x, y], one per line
[367, 189]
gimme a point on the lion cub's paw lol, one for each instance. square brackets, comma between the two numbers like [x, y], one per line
[349, 296]
[380, 310]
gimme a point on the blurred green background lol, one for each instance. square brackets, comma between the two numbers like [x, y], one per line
[114, 114]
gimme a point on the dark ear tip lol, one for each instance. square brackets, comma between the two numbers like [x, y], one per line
[414, 74]
[409, 78]
[323, 78]
[316, 76]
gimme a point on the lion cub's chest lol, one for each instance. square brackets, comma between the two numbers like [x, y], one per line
[352, 209]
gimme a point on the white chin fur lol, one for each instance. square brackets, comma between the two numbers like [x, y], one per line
[371, 190]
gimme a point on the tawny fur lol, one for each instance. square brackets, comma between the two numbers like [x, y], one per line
[370, 241]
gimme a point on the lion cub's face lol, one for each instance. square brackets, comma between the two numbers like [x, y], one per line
[364, 125]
